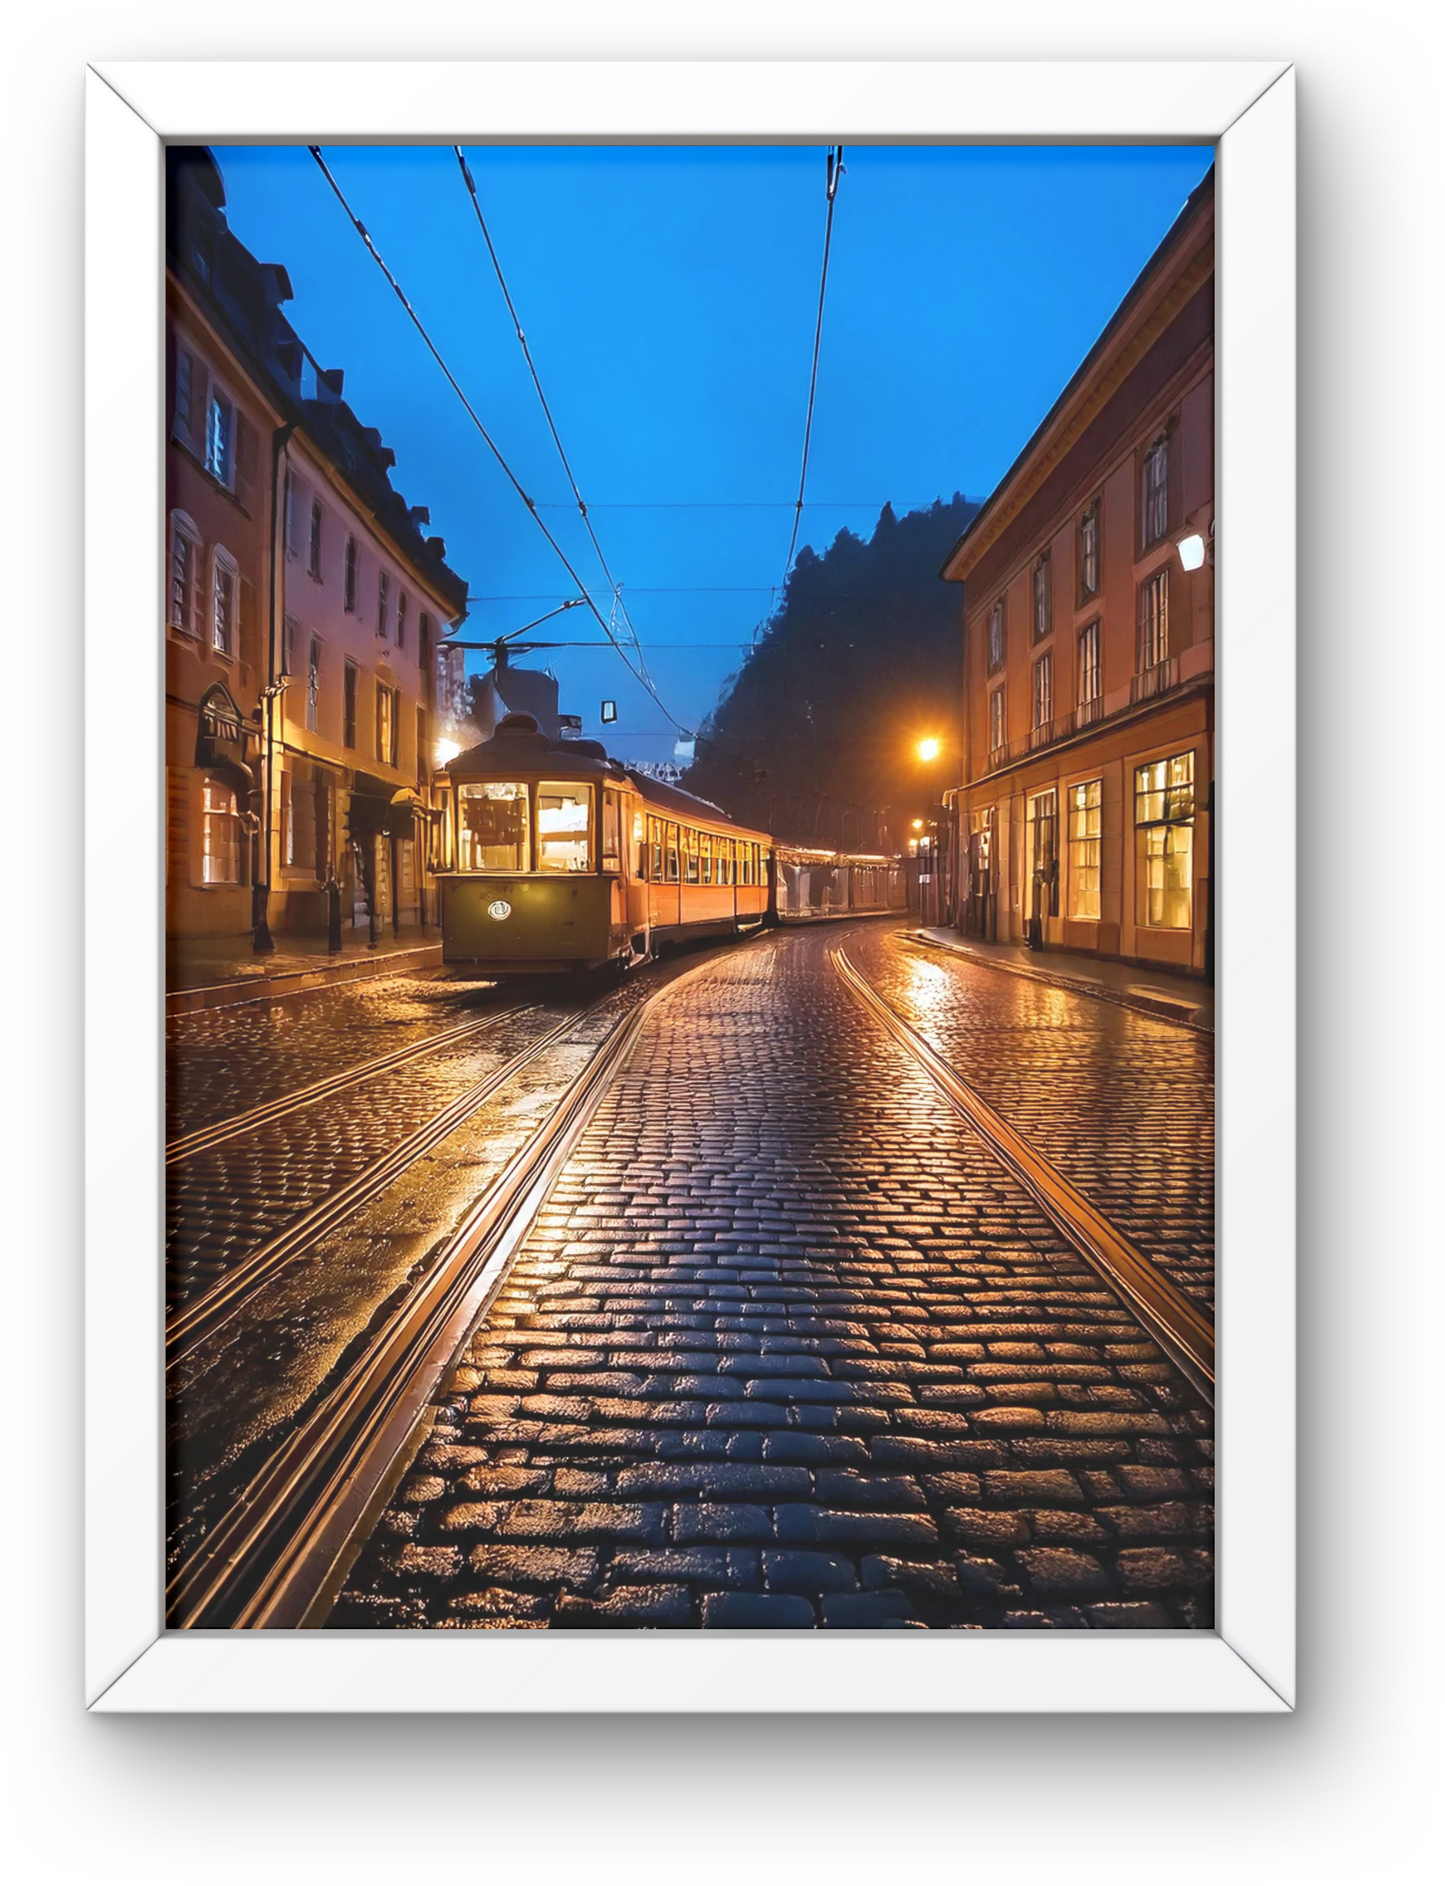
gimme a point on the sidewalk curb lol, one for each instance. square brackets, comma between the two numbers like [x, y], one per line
[243, 989]
[1158, 1008]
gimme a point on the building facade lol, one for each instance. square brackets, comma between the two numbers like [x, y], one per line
[1083, 818]
[305, 612]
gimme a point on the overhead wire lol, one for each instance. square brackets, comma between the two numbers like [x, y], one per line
[835, 172]
[642, 678]
[612, 583]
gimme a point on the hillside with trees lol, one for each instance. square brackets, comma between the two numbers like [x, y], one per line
[816, 738]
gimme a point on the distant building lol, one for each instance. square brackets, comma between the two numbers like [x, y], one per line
[305, 612]
[1083, 820]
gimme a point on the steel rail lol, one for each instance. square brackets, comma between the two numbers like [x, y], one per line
[204, 1138]
[195, 1320]
[277, 1559]
[1176, 1323]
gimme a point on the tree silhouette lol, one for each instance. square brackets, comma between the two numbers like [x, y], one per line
[816, 739]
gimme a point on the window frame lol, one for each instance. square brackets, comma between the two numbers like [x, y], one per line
[467, 789]
[1152, 633]
[996, 648]
[1041, 596]
[1091, 515]
[583, 787]
[224, 473]
[210, 782]
[387, 713]
[1168, 821]
[998, 719]
[350, 704]
[383, 604]
[315, 527]
[1154, 493]
[184, 529]
[314, 650]
[1090, 641]
[1081, 859]
[1041, 691]
[350, 574]
[223, 563]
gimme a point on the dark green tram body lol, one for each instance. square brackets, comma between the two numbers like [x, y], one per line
[557, 859]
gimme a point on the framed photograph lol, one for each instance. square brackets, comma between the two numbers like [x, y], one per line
[701, 643]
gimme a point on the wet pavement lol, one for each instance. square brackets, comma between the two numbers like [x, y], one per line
[787, 1346]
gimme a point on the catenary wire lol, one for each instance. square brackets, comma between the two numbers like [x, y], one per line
[642, 678]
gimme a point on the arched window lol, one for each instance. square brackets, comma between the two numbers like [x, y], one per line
[183, 604]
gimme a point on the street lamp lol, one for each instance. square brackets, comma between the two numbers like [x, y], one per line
[1191, 550]
[930, 748]
[446, 750]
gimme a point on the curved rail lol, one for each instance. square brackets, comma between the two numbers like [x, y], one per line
[205, 1138]
[277, 1559]
[196, 1319]
[1174, 1320]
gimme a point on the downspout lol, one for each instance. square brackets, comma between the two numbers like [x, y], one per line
[262, 941]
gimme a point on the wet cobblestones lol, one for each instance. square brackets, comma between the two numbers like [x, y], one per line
[221, 1204]
[787, 1348]
[1121, 1104]
[220, 1062]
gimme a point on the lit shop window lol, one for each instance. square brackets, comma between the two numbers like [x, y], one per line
[564, 817]
[492, 826]
[220, 834]
[1086, 829]
[1164, 822]
[1041, 833]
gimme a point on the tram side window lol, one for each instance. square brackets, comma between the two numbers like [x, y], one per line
[723, 864]
[745, 865]
[671, 852]
[654, 839]
[639, 845]
[691, 855]
[611, 832]
[706, 856]
[564, 819]
[492, 826]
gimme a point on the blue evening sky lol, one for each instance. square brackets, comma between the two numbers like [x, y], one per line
[668, 294]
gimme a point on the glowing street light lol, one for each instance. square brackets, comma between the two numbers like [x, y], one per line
[1191, 551]
[918, 825]
[446, 750]
[930, 748]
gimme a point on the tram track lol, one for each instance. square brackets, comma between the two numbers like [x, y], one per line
[285, 1542]
[195, 1319]
[206, 1138]
[1172, 1319]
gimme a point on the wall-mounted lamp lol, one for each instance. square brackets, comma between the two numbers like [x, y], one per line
[1191, 550]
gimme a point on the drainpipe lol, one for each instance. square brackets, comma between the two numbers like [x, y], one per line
[262, 942]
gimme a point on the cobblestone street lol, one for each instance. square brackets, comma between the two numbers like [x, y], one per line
[788, 1347]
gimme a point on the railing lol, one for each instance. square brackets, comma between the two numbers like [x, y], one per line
[1147, 686]
[1150, 682]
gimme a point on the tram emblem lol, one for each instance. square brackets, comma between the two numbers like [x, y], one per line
[500, 909]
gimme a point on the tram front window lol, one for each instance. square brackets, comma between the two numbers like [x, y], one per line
[564, 826]
[492, 825]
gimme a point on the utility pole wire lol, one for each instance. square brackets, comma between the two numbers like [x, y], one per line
[612, 582]
[643, 679]
[835, 171]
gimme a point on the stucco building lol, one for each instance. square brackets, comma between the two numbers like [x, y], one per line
[1083, 819]
[305, 610]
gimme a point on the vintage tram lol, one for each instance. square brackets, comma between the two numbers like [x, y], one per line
[556, 858]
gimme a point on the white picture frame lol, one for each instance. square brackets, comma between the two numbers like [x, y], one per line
[1247, 109]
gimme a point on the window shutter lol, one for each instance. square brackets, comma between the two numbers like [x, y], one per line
[178, 826]
[245, 464]
[248, 627]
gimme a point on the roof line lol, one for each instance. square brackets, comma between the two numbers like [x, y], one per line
[1193, 204]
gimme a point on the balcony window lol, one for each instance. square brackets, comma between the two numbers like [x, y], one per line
[1154, 620]
[1091, 680]
[996, 723]
[1154, 505]
[1042, 589]
[996, 639]
[1043, 697]
[1089, 552]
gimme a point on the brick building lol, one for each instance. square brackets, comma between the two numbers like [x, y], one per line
[1082, 821]
[305, 612]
